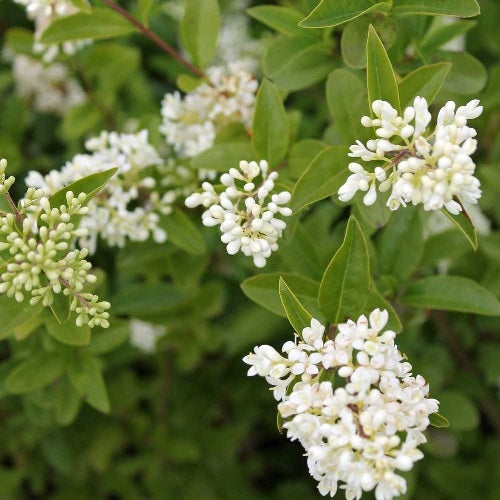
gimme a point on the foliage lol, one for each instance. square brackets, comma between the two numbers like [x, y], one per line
[96, 412]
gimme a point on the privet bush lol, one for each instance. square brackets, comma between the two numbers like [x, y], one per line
[207, 180]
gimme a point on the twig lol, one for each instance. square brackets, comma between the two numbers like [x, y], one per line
[486, 403]
[85, 303]
[155, 38]
[18, 215]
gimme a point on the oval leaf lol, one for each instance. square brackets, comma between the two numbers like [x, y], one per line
[345, 286]
[68, 333]
[460, 8]
[299, 318]
[452, 293]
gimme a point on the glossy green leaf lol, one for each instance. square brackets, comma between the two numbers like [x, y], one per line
[467, 74]
[270, 125]
[85, 373]
[304, 68]
[200, 30]
[91, 185]
[224, 156]
[297, 315]
[302, 153]
[280, 50]
[347, 101]
[68, 333]
[374, 216]
[425, 81]
[106, 339]
[401, 245]
[376, 300]
[440, 33]
[83, 5]
[282, 19]
[182, 232]
[345, 286]
[67, 402]
[99, 24]
[60, 307]
[14, 314]
[381, 80]
[460, 8]
[263, 289]
[39, 370]
[452, 293]
[187, 83]
[334, 12]
[322, 178]
[464, 224]
[144, 8]
[437, 420]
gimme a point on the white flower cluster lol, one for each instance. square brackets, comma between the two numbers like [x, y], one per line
[129, 206]
[35, 240]
[367, 424]
[432, 167]
[190, 123]
[50, 87]
[144, 335]
[43, 12]
[246, 217]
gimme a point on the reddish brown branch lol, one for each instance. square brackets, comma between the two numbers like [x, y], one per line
[155, 38]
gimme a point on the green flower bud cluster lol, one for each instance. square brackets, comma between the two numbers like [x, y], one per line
[36, 245]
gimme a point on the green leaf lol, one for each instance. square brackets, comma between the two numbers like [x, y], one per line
[224, 156]
[464, 224]
[91, 185]
[345, 286]
[439, 33]
[82, 5]
[187, 83]
[96, 25]
[20, 41]
[376, 300]
[68, 333]
[437, 420]
[144, 7]
[14, 314]
[200, 30]
[79, 120]
[381, 80]
[452, 293]
[270, 125]
[459, 409]
[85, 373]
[347, 101]
[467, 74]
[301, 155]
[322, 178]
[107, 339]
[334, 12]
[41, 369]
[282, 19]
[280, 50]
[182, 232]
[60, 307]
[372, 217]
[402, 243]
[303, 68]
[460, 8]
[299, 318]
[263, 289]
[425, 81]
[67, 402]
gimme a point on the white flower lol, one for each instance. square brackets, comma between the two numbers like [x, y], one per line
[144, 335]
[248, 220]
[49, 87]
[129, 206]
[360, 434]
[420, 166]
[190, 123]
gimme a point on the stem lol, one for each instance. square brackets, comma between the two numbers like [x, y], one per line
[155, 38]
[486, 403]
[80, 299]
[18, 215]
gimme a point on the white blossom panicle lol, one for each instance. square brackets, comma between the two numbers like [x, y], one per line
[190, 123]
[246, 216]
[43, 12]
[130, 205]
[144, 335]
[419, 164]
[36, 242]
[362, 428]
[49, 87]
